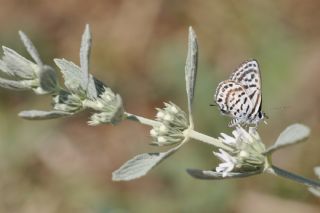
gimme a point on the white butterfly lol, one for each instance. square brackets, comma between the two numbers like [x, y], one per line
[240, 96]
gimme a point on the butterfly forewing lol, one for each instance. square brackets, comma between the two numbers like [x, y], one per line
[248, 75]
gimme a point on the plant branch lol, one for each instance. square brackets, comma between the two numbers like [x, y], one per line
[297, 178]
[142, 120]
[207, 139]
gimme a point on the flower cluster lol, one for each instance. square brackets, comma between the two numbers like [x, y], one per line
[23, 74]
[172, 122]
[67, 102]
[110, 108]
[246, 155]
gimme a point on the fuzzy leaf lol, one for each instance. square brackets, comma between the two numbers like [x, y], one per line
[42, 115]
[94, 88]
[85, 55]
[73, 80]
[292, 134]
[317, 171]
[16, 65]
[30, 48]
[141, 164]
[13, 85]
[72, 75]
[315, 190]
[191, 66]
[213, 175]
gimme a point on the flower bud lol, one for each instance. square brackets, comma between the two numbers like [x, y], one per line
[172, 122]
[67, 102]
[110, 108]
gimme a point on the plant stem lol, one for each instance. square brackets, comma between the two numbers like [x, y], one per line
[142, 120]
[190, 133]
[297, 178]
[207, 139]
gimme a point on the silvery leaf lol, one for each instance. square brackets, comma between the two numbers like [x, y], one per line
[42, 115]
[213, 175]
[30, 48]
[317, 171]
[315, 190]
[48, 79]
[85, 56]
[3, 67]
[13, 85]
[94, 88]
[292, 134]
[72, 75]
[140, 165]
[73, 78]
[191, 66]
[16, 65]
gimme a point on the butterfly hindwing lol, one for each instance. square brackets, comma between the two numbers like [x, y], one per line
[233, 100]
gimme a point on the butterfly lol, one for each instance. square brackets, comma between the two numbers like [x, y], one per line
[240, 96]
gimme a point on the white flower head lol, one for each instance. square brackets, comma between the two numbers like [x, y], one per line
[160, 114]
[228, 162]
[168, 117]
[247, 152]
[227, 139]
[153, 133]
[172, 122]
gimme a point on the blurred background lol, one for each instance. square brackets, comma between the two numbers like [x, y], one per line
[139, 50]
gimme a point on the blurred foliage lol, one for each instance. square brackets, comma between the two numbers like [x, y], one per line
[139, 49]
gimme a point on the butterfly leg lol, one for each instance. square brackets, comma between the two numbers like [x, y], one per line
[234, 122]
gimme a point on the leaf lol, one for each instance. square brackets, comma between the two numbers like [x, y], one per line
[30, 48]
[141, 164]
[317, 171]
[13, 85]
[94, 88]
[73, 78]
[85, 56]
[213, 175]
[72, 75]
[16, 65]
[316, 190]
[191, 66]
[292, 134]
[42, 115]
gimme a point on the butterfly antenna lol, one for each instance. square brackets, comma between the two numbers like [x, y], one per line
[212, 104]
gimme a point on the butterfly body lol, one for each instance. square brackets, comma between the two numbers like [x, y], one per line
[240, 96]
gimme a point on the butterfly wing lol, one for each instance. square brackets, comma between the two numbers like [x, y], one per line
[233, 100]
[248, 75]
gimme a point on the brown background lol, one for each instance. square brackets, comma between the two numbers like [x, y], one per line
[139, 50]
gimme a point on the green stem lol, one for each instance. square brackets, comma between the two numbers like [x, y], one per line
[297, 178]
[189, 132]
[207, 139]
[142, 120]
